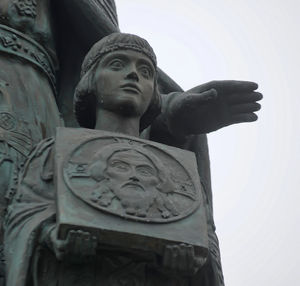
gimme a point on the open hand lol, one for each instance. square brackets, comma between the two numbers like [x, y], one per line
[211, 106]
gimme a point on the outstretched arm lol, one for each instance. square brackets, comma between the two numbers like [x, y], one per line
[210, 106]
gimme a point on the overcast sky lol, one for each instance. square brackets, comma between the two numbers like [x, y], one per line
[255, 167]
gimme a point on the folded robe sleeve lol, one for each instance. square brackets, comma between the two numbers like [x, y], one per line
[33, 206]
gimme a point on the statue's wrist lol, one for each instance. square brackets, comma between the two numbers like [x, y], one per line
[161, 129]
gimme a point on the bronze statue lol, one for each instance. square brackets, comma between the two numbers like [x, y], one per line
[37, 65]
[121, 85]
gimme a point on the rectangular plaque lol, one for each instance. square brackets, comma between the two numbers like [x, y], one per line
[130, 193]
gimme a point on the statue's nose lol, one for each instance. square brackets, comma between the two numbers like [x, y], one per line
[133, 75]
[134, 179]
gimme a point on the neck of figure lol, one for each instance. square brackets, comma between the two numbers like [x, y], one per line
[110, 121]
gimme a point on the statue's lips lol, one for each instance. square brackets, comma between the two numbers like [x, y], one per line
[131, 87]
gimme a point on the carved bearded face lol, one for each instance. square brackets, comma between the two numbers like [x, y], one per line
[134, 180]
[124, 81]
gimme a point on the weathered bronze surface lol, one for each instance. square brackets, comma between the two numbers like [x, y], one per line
[137, 233]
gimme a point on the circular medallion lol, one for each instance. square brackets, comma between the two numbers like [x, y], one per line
[131, 179]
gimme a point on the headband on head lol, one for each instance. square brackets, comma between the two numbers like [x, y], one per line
[114, 42]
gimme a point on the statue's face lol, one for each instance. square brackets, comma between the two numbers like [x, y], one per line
[124, 81]
[132, 173]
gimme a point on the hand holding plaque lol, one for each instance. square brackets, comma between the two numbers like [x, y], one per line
[78, 247]
[181, 259]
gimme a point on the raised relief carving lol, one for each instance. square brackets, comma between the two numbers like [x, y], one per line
[15, 42]
[15, 144]
[131, 179]
[13, 130]
[26, 7]
[7, 121]
[14, 133]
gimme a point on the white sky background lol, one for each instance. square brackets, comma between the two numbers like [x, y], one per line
[255, 171]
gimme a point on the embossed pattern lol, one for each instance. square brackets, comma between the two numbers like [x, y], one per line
[7, 121]
[12, 41]
[26, 7]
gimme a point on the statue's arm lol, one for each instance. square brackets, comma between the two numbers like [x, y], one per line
[206, 108]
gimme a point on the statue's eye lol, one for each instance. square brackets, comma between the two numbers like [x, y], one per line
[116, 64]
[120, 166]
[145, 71]
[146, 171]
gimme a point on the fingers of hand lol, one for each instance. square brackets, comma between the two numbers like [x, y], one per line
[238, 98]
[76, 242]
[85, 243]
[187, 257]
[90, 244]
[180, 258]
[171, 256]
[182, 262]
[234, 85]
[245, 117]
[244, 108]
[190, 254]
[94, 241]
[70, 242]
[81, 243]
[226, 86]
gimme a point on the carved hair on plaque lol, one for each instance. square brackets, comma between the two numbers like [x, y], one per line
[130, 179]
[113, 182]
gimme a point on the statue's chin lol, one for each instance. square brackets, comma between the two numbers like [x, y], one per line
[129, 106]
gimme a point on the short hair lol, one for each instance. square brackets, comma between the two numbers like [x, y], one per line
[85, 100]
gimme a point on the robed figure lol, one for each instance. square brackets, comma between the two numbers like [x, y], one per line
[118, 90]
[42, 46]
